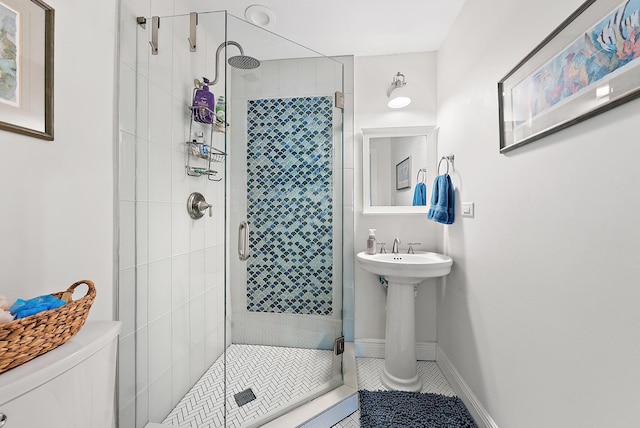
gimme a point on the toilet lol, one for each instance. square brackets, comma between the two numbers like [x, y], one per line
[72, 386]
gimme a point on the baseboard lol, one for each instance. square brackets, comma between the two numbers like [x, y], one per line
[462, 390]
[374, 348]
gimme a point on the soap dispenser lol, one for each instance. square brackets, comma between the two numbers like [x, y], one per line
[371, 242]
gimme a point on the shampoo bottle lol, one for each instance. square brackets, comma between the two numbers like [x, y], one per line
[371, 242]
[203, 104]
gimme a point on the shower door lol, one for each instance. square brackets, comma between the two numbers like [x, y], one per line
[284, 175]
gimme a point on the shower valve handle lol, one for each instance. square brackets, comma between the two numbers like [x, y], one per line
[203, 205]
[197, 205]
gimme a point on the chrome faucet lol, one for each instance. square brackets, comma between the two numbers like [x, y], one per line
[411, 244]
[394, 249]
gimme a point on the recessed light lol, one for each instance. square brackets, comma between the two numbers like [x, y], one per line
[260, 15]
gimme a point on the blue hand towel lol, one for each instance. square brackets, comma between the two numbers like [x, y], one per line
[420, 194]
[442, 200]
[23, 308]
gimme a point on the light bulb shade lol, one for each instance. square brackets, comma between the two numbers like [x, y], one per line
[397, 93]
[399, 98]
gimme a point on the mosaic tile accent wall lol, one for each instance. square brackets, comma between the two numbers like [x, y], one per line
[290, 205]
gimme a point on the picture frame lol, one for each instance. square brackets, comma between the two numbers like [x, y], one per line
[403, 174]
[588, 65]
[26, 67]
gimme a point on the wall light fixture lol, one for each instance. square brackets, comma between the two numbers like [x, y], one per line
[397, 93]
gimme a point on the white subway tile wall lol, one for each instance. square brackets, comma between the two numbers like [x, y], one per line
[165, 283]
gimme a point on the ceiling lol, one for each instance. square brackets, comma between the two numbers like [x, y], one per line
[357, 27]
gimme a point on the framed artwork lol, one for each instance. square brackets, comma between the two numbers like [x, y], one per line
[26, 67]
[586, 66]
[403, 174]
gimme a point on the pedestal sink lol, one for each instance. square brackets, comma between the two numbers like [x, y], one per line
[403, 272]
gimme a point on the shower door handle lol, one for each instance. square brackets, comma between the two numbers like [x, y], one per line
[243, 241]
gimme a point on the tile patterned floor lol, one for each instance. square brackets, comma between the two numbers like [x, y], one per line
[275, 374]
[368, 372]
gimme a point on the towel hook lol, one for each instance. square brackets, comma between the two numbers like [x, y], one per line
[449, 160]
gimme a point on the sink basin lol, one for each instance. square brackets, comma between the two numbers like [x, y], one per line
[403, 272]
[406, 268]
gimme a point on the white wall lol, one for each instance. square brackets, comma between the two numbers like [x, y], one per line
[381, 173]
[56, 215]
[540, 311]
[372, 78]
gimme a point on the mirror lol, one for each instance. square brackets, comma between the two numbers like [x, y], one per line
[395, 160]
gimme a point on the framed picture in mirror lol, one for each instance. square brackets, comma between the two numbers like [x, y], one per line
[403, 174]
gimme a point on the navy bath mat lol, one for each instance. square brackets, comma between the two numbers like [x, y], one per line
[395, 409]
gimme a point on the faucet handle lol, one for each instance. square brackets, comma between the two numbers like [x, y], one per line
[411, 244]
[382, 249]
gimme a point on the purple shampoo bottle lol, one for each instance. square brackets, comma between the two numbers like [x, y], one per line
[203, 104]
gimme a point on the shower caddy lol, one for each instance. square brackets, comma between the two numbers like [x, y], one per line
[200, 151]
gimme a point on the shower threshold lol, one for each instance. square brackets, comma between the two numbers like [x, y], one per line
[330, 408]
[320, 406]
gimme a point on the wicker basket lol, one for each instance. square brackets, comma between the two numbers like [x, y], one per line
[26, 338]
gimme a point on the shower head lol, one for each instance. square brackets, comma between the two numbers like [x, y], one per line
[243, 62]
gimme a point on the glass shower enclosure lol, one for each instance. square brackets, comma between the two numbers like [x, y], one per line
[238, 300]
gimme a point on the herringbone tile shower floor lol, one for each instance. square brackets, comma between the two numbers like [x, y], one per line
[275, 374]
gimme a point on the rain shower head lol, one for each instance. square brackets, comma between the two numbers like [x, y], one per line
[241, 61]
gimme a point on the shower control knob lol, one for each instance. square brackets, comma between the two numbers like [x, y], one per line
[197, 205]
[203, 206]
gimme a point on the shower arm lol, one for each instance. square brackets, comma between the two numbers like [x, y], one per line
[222, 45]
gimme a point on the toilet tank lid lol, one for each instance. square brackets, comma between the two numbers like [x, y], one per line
[93, 336]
